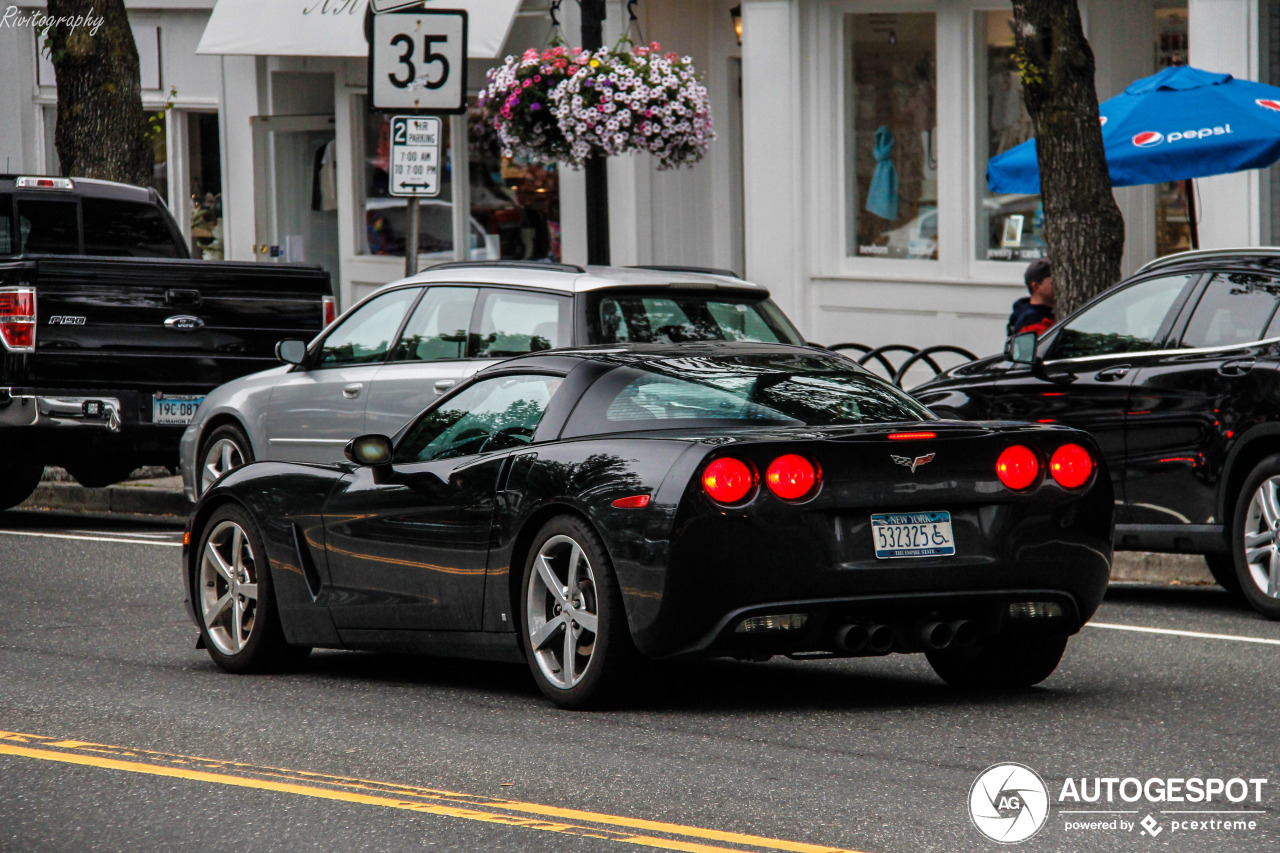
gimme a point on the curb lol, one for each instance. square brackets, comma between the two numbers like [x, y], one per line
[133, 500]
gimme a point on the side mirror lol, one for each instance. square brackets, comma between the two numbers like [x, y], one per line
[369, 450]
[291, 351]
[1021, 349]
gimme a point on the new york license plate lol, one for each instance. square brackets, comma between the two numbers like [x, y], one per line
[174, 408]
[913, 534]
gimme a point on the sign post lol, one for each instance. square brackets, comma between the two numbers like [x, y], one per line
[417, 64]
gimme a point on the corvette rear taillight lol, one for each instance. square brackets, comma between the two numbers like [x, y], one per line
[791, 477]
[1071, 465]
[1018, 467]
[18, 318]
[728, 480]
[330, 310]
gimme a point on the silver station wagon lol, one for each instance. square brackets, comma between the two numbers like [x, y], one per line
[394, 352]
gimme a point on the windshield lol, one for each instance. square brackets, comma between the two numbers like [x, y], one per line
[750, 390]
[676, 318]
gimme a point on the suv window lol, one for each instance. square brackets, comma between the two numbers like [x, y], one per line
[366, 335]
[1128, 320]
[493, 414]
[1234, 309]
[438, 327]
[48, 227]
[637, 318]
[514, 322]
[126, 228]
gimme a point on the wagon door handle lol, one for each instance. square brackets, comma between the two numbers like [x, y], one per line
[443, 385]
[1111, 374]
[353, 390]
[1237, 367]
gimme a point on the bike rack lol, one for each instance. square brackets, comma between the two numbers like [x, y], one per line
[914, 356]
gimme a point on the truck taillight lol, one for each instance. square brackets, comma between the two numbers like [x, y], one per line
[18, 318]
[330, 310]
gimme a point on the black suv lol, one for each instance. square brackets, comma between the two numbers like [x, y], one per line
[1176, 372]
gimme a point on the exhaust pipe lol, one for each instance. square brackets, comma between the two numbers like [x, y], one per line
[935, 635]
[852, 638]
[879, 638]
[963, 633]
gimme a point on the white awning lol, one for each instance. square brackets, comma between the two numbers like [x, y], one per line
[334, 27]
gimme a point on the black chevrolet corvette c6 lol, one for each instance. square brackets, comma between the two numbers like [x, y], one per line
[583, 509]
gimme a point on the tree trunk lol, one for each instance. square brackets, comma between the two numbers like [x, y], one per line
[1083, 226]
[102, 130]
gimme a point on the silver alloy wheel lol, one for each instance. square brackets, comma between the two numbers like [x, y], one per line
[561, 606]
[1262, 537]
[228, 587]
[220, 457]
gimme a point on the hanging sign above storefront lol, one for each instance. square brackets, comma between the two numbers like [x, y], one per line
[415, 156]
[418, 61]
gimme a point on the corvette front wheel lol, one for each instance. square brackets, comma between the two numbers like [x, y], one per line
[574, 628]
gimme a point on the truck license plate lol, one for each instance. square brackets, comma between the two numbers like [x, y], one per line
[913, 534]
[174, 408]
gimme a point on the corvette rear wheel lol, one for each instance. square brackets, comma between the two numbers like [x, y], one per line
[1256, 538]
[574, 628]
[234, 598]
[998, 663]
[226, 449]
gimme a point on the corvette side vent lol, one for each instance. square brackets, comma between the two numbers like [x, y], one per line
[304, 560]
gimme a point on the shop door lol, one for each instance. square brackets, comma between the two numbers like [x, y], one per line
[296, 205]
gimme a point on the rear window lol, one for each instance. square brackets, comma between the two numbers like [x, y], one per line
[6, 224]
[126, 229]
[754, 390]
[666, 318]
[48, 227]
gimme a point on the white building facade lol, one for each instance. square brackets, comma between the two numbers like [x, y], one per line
[847, 174]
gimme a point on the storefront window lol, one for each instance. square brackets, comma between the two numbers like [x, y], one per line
[1010, 226]
[891, 135]
[205, 165]
[515, 205]
[1173, 224]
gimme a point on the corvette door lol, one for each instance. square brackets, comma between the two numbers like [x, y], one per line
[409, 543]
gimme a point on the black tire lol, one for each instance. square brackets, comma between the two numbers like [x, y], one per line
[223, 450]
[601, 658]
[1258, 582]
[999, 663]
[231, 547]
[19, 477]
[1223, 569]
[97, 474]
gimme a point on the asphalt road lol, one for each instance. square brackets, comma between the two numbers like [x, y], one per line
[118, 734]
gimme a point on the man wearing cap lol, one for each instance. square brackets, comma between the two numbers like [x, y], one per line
[1034, 313]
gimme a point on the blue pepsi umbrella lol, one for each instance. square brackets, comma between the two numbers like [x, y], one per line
[1180, 124]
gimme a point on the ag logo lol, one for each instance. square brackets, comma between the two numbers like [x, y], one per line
[1148, 138]
[1268, 103]
[1009, 803]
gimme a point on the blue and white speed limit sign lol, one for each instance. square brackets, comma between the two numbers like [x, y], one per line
[418, 61]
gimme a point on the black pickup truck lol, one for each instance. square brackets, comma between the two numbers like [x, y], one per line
[111, 335]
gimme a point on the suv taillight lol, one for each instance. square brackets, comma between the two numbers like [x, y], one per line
[330, 310]
[18, 318]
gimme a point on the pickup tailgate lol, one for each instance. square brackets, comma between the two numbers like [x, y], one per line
[181, 326]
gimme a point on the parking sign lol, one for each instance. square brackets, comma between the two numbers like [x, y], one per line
[415, 156]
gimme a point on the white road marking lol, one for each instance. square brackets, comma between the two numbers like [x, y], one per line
[91, 538]
[1197, 634]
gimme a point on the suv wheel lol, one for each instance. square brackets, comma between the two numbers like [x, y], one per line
[1255, 535]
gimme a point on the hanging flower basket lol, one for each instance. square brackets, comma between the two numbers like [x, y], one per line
[516, 102]
[566, 105]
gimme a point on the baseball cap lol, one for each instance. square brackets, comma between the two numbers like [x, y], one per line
[1037, 270]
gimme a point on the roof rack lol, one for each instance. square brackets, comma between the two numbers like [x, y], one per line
[677, 268]
[516, 265]
[1197, 254]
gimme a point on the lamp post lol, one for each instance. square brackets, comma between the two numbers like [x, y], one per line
[593, 14]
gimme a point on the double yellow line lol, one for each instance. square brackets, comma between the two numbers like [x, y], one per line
[626, 830]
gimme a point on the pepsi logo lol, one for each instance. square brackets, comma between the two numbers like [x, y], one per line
[1148, 138]
[1268, 103]
[1102, 120]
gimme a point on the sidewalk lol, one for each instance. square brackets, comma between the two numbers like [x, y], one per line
[156, 493]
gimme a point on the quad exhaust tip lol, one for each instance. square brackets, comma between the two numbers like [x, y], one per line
[857, 638]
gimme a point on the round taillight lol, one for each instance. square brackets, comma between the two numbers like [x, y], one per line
[728, 480]
[1071, 466]
[1018, 467]
[791, 477]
